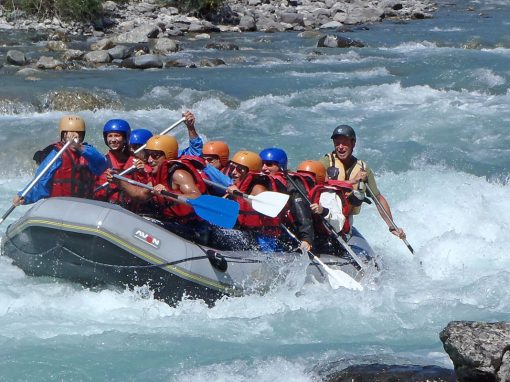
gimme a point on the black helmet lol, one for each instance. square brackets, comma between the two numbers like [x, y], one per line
[343, 131]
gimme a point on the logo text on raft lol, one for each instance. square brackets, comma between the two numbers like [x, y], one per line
[147, 238]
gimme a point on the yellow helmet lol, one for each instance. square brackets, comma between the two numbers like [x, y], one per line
[315, 167]
[71, 123]
[165, 143]
[218, 148]
[248, 159]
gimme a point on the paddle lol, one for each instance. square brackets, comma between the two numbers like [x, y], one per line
[381, 208]
[37, 178]
[329, 227]
[336, 277]
[268, 203]
[216, 210]
[131, 168]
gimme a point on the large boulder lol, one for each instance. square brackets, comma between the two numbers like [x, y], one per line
[76, 100]
[479, 351]
[49, 63]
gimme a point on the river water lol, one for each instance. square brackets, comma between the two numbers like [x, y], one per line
[429, 101]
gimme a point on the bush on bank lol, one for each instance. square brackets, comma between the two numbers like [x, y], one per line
[87, 10]
[75, 10]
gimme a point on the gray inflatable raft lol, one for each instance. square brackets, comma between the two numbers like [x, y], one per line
[101, 244]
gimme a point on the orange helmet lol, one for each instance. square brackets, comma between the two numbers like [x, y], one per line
[165, 143]
[248, 159]
[218, 148]
[315, 167]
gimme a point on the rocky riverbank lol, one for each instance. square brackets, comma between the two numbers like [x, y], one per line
[142, 34]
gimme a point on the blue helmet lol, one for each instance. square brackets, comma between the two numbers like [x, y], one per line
[117, 126]
[274, 154]
[140, 137]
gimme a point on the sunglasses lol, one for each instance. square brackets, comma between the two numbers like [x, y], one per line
[269, 163]
[155, 154]
[210, 158]
[239, 168]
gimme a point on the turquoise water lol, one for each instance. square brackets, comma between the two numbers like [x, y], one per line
[429, 101]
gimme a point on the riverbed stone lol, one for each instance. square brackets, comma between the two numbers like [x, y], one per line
[119, 52]
[16, 57]
[103, 44]
[73, 54]
[140, 34]
[49, 63]
[145, 61]
[56, 46]
[97, 57]
[165, 45]
[332, 41]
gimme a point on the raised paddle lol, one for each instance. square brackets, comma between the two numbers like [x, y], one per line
[336, 277]
[131, 168]
[37, 178]
[329, 227]
[268, 203]
[216, 210]
[381, 208]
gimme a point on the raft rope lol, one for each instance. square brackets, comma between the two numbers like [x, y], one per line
[229, 259]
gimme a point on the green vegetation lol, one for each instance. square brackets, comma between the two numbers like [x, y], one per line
[86, 10]
[75, 10]
[200, 7]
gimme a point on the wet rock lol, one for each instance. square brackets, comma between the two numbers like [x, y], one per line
[28, 72]
[49, 63]
[165, 45]
[391, 373]
[140, 34]
[479, 351]
[76, 100]
[211, 62]
[222, 46]
[16, 57]
[56, 46]
[331, 41]
[203, 36]
[119, 52]
[73, 54]
[180, 63]
[145, 61]
[97, 57]
[103, 44]
[247, 24]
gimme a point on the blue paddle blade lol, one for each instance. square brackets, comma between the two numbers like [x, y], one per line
[218, 211]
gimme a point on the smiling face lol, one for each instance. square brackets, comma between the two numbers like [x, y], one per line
[270, 167]
[115, 141]
[155, 158]
[344, 147]
[238, 172]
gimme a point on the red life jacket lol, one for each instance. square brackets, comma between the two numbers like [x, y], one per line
[183, 212]
[304, 179]
[73, 177]
[112, 193]
[340, 188]
[249, 218]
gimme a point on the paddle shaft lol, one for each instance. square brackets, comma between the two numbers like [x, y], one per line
[381, 208]
[176, 197]
[37, 178]
[328, 226]
[310, 254]
[131, 168]
[336, 277]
